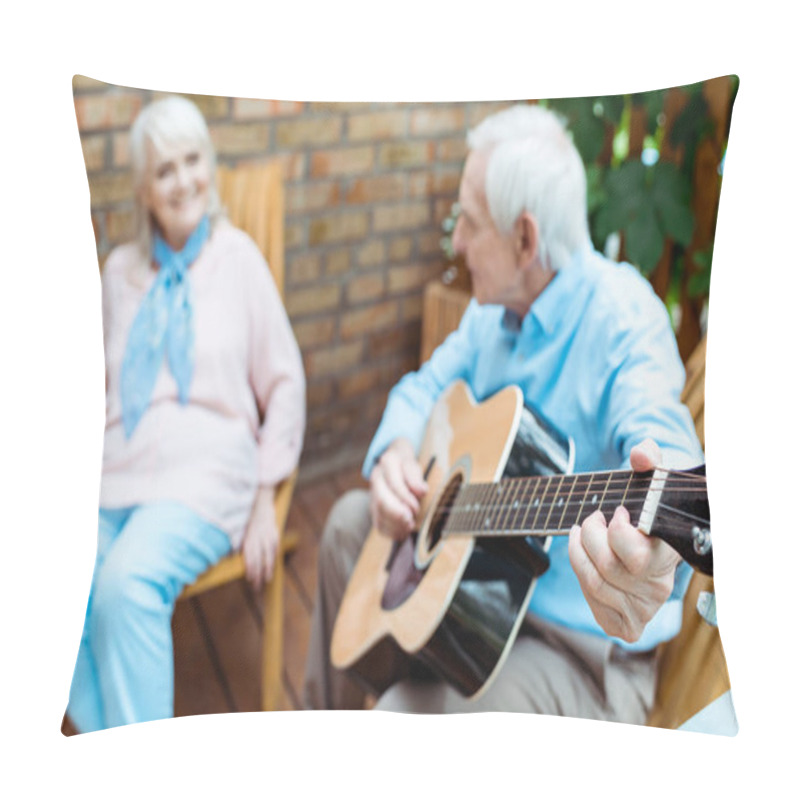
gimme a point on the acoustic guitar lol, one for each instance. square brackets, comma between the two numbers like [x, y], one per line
[450, 599]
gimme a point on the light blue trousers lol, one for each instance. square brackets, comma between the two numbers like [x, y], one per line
[145, 556]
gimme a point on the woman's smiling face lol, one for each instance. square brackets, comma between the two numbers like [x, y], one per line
[176, 189]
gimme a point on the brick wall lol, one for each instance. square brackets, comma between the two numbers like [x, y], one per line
[367, 187]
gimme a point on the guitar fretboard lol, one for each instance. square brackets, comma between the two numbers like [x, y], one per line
[543, 506]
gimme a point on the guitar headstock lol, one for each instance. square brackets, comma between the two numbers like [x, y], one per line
[682, 517]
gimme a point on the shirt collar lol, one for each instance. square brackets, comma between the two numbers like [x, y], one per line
[550, 306]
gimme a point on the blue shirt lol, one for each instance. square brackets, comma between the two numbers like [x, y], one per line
[596, 356]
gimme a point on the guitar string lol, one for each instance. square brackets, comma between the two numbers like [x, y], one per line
[495, 502]
[675, 513]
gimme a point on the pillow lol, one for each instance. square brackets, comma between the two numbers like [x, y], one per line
[372, 286]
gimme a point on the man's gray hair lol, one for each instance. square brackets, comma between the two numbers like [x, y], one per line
[165, 122]
[534, 166]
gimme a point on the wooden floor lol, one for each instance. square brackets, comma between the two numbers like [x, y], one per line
[218, 634]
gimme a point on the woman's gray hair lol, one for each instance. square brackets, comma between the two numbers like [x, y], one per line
[534, 166]
[162, 123]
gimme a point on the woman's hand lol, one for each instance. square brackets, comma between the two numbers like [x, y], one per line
[261, 539]
[625, 576]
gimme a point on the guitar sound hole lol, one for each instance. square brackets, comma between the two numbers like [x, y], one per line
[441, 513]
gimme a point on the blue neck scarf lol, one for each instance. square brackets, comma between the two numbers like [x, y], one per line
[163, 323]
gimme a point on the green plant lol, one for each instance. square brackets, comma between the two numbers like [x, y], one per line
[640, 168]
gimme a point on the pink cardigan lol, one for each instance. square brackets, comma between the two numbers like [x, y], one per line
[243, 425]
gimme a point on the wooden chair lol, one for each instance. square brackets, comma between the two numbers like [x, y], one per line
[253, 197]
[693, 672]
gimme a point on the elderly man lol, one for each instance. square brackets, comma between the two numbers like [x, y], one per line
[591, 347]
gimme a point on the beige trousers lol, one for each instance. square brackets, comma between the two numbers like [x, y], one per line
[550, 669]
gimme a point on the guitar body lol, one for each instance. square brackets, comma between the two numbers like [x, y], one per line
[451, 606]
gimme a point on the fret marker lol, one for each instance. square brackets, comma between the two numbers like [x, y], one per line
[560, 502]
[594, 500]
[536, 502]
[487, 523]
[516, 504]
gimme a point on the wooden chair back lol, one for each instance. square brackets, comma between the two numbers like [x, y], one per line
[692, 668]
[253, 197]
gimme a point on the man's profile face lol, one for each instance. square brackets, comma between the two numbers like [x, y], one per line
[489, 255]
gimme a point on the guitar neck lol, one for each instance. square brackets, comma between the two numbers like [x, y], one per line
[670, 505]
[545, 506]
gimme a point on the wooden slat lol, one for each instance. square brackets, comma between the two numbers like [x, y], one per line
[443, 308]
[316, 503]
[236, 637]
[692, 666]
[297, 624]
[197, 688]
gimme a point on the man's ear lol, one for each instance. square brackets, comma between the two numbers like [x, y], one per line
[526, 235]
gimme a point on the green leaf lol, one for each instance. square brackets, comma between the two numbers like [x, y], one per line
[692, 122]
[595, 193]
[654, 105]
[672, 196]
[588, 130]
[699, 284]
[644, 241]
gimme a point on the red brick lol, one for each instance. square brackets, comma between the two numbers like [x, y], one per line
[397, 155]
[366, 287]
[356, 323]
[479, 111]
[309, 301]
[446, 182]
[432, 121]
[356, 384]
[120, 226]
[452, 149]
[331, 360]
[304, 132]
[319, 393]
[386, 343]
[110, 187]
[442, 209]
[248, 108]
[294, 235]
[314, 332]
[120, 145]
[338, 228]
[430, 242]
[94, 152]
[304, 267]
[337, 262]
[293, 165]
[401, 217]
[211, 106]
[441, 182]
[371, 254]
[103, 111]
[349, 161]
[411, 308]
[374, 125]
[241, 139]
[311, 197]
[376, 189]
[408, 277]
[337, 107]
[82, 82]
[400, 248]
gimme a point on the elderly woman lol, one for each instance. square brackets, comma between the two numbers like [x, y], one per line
[205, 411]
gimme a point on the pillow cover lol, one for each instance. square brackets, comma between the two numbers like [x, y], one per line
[371, 280]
